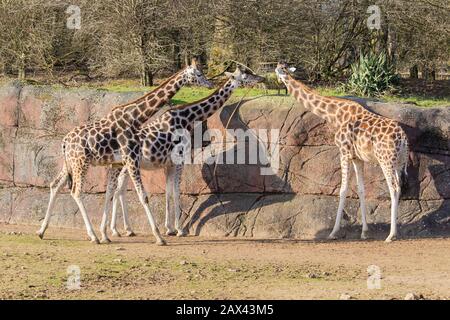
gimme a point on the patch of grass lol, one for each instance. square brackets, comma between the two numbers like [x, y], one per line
[420, 101]
[122, 86]
[185, 95]
[191, 94]
[5, 80]
[331, 91]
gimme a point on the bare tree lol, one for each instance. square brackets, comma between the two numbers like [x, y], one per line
[422, 34]
[139, 38]
[126, 37]
[28, 30]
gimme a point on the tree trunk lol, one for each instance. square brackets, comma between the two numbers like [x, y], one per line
[21, 72]
[414, 72]
[187, 62]
[391, 46]
[146, 77]
[220, 49]
[429, 74]
[177, 50]
[146, 72]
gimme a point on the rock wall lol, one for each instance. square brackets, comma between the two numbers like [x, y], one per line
[299, 201]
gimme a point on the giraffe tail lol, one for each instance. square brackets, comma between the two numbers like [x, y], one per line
[69, 174]
[407, 157]
[69, 180]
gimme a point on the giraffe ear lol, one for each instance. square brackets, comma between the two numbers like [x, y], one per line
[292, 69]
[194, 62]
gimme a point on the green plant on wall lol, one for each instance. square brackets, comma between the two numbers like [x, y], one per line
[371, 75]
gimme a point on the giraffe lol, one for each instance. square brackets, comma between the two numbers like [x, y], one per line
[100, 142]
[361, 136]
[159, 144]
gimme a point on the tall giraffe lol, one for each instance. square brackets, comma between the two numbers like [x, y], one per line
[361, 136]
[158, 145]
[101, 142]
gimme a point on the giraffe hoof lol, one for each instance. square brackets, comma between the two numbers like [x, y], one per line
[116, 234]
[95, 241]
[40, 234]
[365, 235]
[390, 239]
[105, 240]
[332, 237]
[171, 233]
[161, 242]
[181, 233]
[130, 234]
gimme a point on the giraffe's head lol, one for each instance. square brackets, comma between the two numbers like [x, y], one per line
[243, 76]
[194, 75]
[282, 71]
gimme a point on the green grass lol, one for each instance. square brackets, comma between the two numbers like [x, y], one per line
[330, 92]
[191, 94]
[186, 94]
[417, 100]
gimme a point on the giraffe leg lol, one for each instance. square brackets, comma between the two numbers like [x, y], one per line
[342, 196]
[113, 225]
[55, 187]
[78, 177]
[116, 198]
[176, 199]
[170, 175]
[123, 182]
[358, 165]
[135, 175]
[111, 187]
[392, 179]
[119, 196]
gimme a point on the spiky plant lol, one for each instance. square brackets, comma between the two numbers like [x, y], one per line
[371, 75]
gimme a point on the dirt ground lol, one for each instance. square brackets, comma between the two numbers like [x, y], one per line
[217, 268]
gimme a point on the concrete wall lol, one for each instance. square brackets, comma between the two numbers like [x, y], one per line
[299, 201]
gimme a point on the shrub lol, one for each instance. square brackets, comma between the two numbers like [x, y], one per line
[271, 82]
[371, 75]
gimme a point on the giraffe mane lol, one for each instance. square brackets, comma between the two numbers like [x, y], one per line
[201, 100]
[148, 93]
[317, 93]
[304, 86]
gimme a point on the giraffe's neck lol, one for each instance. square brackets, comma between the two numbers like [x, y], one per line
[138, 112]
[321, 106]
[203, 109]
